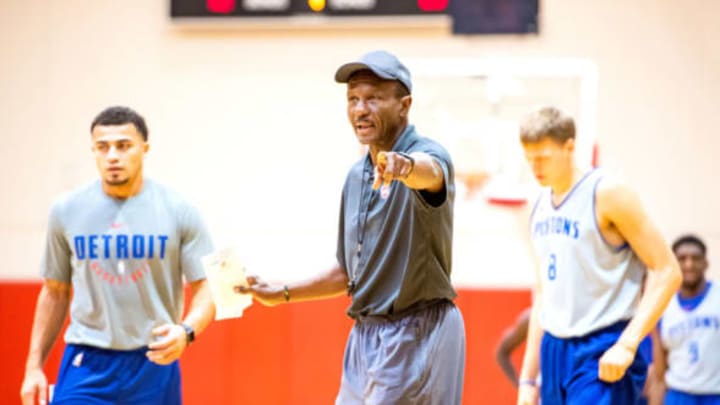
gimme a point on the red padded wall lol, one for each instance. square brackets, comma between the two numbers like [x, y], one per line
[290, 354]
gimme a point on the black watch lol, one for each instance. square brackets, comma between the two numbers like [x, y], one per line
[189, 333]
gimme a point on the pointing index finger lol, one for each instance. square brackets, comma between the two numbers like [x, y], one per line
[379, 170]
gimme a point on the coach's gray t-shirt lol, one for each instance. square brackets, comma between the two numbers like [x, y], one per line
[396, 244]
[125, 259]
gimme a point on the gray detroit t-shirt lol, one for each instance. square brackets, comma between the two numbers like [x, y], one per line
[125, 259]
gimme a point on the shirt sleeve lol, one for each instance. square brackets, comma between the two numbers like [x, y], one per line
[194, 244]
[56, 263]
[442, 157]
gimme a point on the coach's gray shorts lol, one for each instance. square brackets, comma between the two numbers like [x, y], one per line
[418, 359]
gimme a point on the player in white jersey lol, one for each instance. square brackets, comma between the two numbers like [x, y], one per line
[687, 356]
[594, 244]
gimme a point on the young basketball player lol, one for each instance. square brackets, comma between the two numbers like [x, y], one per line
[115, 256]
[594, 243]
[687, 357]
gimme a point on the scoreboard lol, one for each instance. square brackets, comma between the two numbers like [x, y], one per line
[468, 16]
[283, 8]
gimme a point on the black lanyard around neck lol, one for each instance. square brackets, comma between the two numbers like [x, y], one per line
[366, 196]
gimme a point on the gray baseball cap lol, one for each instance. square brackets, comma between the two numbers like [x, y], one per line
[384, 64]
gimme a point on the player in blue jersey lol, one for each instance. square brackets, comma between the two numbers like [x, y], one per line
[116, 253]
[687, 354]
[594, 244]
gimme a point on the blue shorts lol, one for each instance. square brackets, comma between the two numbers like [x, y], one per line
[418, 359]
[569, 369]
[673, 397]
[89, 375]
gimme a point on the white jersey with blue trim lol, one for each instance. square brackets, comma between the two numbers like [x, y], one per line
[587, 283]
[692, 340]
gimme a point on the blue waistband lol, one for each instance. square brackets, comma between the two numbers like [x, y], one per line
[616, 327]
[140, 350]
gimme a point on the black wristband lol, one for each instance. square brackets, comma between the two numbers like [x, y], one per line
[189, 333]
[412, 162]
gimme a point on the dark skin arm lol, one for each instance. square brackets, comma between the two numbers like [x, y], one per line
[511, 339]
[327, 284]
[656, 387]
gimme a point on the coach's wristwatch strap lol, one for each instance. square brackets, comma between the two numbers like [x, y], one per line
[189, 333]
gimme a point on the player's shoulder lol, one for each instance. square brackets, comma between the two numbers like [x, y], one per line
[713, 288]
[71, 202]
[612, 186]
[429, 145]
[173, 203]
[167, 195]
[162, 189]
[614, 195]
[536, 194]
[79, 195]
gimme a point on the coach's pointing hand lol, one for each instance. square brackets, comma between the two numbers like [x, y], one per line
[614, 362]
[391, 166]
[263, 292]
